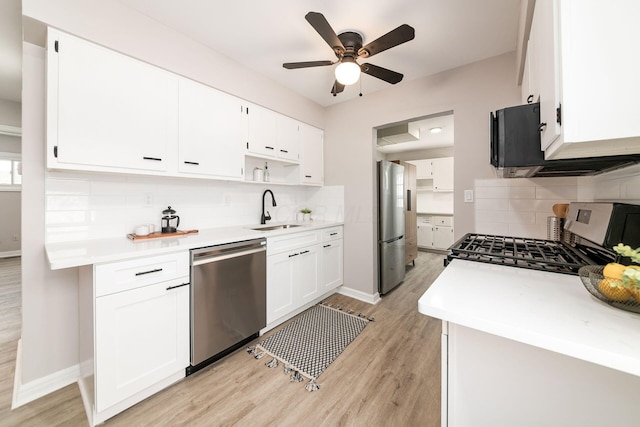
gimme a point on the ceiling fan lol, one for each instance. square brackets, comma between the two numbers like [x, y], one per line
[348, 48]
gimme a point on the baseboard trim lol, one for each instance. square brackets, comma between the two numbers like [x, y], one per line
[359, 295]
[25, 393]
[10, 254]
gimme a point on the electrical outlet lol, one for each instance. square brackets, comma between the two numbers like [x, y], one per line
[468, 196]
[148, 200]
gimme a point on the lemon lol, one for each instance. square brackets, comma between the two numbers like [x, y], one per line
[613, 290]
[613, 270]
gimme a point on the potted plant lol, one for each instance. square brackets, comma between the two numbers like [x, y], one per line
[306, 214]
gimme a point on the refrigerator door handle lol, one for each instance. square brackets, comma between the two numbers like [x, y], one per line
[408, 200]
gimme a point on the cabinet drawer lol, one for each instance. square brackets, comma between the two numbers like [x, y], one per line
[124, 275]
[332, 233]
[443, 220]
[425, 219]
[286, 242]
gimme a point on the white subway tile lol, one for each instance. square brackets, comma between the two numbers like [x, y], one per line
[492, 204]
[568, 193]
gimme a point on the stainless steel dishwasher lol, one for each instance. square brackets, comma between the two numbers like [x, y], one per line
[228, 299]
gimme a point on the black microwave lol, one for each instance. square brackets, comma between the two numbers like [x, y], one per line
[516, 153]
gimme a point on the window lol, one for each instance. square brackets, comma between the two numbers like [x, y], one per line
[10, 172]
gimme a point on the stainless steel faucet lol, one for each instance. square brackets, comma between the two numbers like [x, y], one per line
[264, 218]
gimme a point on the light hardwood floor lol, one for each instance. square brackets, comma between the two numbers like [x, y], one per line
[388, 376]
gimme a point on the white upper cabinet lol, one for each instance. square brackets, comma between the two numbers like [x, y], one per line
[544, 65]
[210, 132]
[106, 110]
[443, 174]
[312, 165]
[262, 131]
[288, 138]
[272, 135]
[587, 77]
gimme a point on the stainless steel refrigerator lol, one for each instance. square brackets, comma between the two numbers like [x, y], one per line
[391, 241]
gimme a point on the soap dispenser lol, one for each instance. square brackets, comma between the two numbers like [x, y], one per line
[266, 172]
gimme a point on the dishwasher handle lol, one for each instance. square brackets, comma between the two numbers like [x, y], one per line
[222, 252]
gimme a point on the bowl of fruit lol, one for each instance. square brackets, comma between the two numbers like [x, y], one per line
[616, 284]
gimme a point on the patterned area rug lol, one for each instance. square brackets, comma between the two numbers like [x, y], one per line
[308, 345]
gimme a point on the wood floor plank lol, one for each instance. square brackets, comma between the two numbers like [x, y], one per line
[389, 375]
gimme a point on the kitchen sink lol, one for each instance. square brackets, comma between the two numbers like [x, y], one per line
[276, 227]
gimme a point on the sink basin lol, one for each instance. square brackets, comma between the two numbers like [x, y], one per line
[276, 227]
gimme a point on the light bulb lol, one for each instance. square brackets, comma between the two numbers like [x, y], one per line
[347, 73]
[435, 130]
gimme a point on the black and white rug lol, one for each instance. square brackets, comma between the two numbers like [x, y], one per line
[308, 345]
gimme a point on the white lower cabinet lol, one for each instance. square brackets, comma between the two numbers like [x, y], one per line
[134, 331]
[332, 259]
[301, 267]
[435, 232]
[142, 337]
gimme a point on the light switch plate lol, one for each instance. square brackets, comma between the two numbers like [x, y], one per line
[468, 196]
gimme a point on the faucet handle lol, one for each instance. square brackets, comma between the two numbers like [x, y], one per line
[267, 216]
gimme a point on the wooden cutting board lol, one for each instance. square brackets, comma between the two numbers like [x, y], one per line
[160, 235]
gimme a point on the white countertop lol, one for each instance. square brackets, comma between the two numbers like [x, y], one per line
[86, 252]
[547, 310]
[423, 213]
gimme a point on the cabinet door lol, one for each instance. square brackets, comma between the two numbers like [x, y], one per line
[442, 237]
[443, 174]
[424, 168]
[142, 337]
[425, 235]
[332, 264]
[210, 132]
[545, 67]
[308, 274]
[312, 166]
[288, 139]
[110, 110]
[280, 284]
[262, 131]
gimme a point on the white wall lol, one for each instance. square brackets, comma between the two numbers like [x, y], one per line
[471, 92]
[49, 299]
[10, 113]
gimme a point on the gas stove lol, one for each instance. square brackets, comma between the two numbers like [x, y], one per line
[535, 254]
[599, 226]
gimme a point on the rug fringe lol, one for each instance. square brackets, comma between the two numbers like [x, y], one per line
[339, 307]
[312, 386]
[287, 369]
[296, 377]
[259, 355]
[251, 349]
[273, 363]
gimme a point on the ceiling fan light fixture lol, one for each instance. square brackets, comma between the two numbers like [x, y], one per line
[347, 72]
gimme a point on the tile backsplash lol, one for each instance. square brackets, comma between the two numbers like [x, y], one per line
[520, 207]
[93, 206]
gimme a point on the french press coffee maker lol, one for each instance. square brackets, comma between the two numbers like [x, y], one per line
[168, 219]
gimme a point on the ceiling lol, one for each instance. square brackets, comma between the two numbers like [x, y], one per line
[427, 139]
[264, 34]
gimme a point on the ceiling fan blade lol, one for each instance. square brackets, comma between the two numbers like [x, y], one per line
[337, 88]
[294, 65]
[381, 73]
[393, 38]
[320, 24]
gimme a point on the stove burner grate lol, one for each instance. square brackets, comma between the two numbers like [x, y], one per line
[536, 254]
